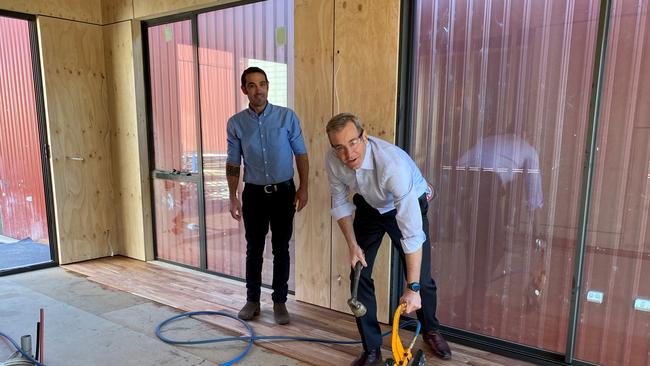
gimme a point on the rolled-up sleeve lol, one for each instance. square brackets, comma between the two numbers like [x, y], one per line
[234, 144]
[341, 207]
[296, 139]
[408, 216]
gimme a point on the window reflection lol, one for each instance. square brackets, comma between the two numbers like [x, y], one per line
[500, 105]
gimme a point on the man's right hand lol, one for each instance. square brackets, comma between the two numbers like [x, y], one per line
[356, 255]
[235, 208]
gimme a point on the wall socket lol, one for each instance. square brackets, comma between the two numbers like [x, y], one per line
[642, 304]
[595, 296]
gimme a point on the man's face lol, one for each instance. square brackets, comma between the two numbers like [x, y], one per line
[256, 88]
[349, 147]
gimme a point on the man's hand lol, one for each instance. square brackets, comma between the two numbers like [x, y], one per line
[235, 208]
[356, 255]
[412, 301]
[301, 198]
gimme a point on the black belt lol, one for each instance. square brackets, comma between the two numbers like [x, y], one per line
[271, 188]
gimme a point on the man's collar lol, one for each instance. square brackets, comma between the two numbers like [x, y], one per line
[368, 162]
[267, 109]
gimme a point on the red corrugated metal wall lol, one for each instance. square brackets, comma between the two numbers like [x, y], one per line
[22, 198]
[501, 101]
[173, 100]
[501, 95]
[171, 67]
[618, 243]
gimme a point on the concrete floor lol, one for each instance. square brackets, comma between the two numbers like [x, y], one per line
[87, 324]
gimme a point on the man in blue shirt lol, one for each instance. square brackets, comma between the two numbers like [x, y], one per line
[391, 196]
[267, 137]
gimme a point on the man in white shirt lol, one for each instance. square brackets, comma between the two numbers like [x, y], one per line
[390, 197]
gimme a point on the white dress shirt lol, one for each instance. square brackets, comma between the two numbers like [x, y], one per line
[387, 179]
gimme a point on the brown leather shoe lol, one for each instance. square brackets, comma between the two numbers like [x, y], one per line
[438, 344]
[372, 358]
[249, 311]
[280, 313]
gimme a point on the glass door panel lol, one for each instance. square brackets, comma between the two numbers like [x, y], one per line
[227, 46]
[614, 319]
[172, 78]
[500, 97]
[24, 234]
[173, 97]
[177, 221]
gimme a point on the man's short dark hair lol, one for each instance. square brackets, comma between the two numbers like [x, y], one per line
[252, 70]
[338, 123]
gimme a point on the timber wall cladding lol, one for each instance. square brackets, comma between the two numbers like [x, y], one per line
[88, 11]
[314, 21]
[125, 151]
[366, 43]
[143, 9]
[75, 92]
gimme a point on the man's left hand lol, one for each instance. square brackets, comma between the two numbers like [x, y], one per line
[412, 301]
[301, 198]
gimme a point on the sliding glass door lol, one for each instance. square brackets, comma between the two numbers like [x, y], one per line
[504, 107]
[195, 63]
[26, 240]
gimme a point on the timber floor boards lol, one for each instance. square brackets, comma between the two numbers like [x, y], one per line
[193, 291]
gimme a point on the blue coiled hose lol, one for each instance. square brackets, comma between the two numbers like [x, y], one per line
[251, 337]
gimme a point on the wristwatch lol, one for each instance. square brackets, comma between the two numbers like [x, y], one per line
[414, 286]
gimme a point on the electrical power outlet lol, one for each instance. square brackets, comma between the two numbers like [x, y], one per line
[595, 296]
[642, 304]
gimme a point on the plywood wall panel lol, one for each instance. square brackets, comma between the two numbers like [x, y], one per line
[125, 151]
[145, 9]
[366, 49]
[114, 11]
[143, 151]
[88, 11]
[313, 104]
[75, 97]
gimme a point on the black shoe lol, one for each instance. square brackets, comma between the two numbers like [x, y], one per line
[280, 313]
[438, 344]
[372, 358]
[250, 310]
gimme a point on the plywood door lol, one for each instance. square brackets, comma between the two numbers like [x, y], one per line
[75, 99]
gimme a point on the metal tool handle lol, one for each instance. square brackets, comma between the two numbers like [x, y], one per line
[357, 273]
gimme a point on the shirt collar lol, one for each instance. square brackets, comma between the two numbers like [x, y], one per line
[266, 111]
[368, 162]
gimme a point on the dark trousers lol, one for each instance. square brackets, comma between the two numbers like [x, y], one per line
[369, 229]
[260, 208]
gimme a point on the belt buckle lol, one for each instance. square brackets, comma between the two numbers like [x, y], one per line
[270, 188]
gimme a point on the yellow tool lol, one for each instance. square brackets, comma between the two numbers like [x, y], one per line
[401, 356]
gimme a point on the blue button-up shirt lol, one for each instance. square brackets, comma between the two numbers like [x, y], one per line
[267, 142]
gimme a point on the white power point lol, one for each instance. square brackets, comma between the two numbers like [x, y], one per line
[642, 304]
[595, 296]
